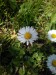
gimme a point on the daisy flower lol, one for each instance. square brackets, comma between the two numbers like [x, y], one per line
[52, 35]
[27, 34]
[51, 63]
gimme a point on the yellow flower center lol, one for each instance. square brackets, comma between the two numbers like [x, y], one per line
[54, 63]
[53, 35]
[27, 35]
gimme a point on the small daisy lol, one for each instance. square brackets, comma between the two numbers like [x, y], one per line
[52, 35]
[51, 63]
[27, 34]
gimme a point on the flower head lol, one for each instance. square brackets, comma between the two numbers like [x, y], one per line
[52, 35]
[51, 63]
[27, 34]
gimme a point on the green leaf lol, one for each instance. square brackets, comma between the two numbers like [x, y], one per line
[22, 70]
[53, 18]
[13, 4]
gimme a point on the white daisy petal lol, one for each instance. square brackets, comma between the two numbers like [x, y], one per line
[27, 29]
[22, 31]
[51, 63]
[22, 40]
[32, 29]
[27, 42]
[27, 34]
